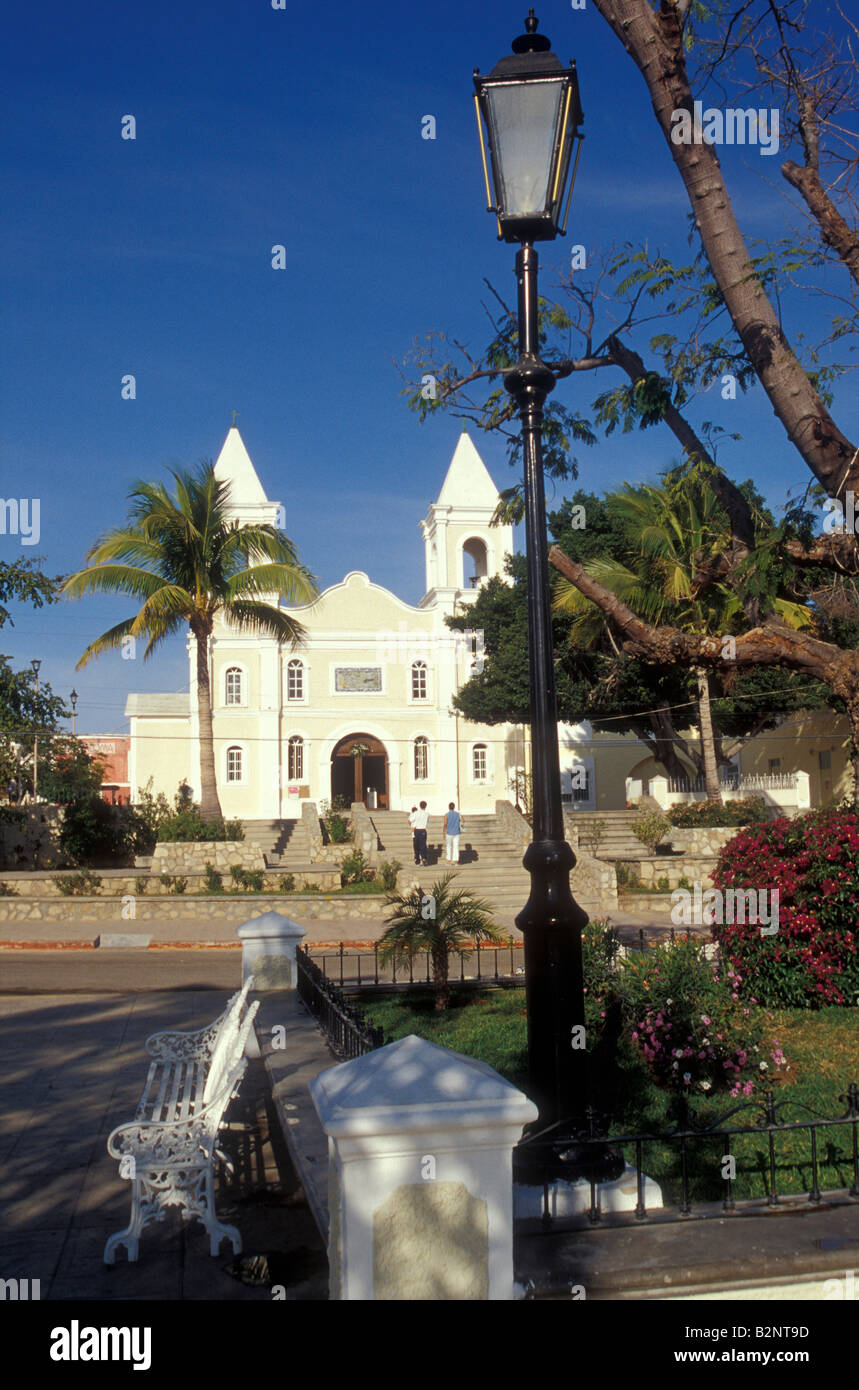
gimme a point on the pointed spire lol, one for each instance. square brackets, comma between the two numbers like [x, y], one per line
[467, 482]
[234, 467]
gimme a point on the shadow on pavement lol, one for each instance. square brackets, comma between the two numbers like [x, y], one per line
[74, 1068]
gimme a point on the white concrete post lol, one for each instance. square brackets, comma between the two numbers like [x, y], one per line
[659, 790]
[420, 1174]
[269, 944]
[803, 791]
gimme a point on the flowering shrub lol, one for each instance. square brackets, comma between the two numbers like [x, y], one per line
[600, 945]
[813, 863]
[744, 810]
[690, 1026]
[650, 827]
[681, 1015]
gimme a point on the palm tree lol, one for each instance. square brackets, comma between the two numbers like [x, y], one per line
[439, 922]
[677, 535]
[187, 561]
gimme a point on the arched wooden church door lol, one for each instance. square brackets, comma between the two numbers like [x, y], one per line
[359, 767]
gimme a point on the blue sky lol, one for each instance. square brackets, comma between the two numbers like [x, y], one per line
[299, 127]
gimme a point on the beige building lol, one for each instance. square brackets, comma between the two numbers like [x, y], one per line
[363, 709]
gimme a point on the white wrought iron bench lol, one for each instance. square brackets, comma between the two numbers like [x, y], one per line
[168, 1150]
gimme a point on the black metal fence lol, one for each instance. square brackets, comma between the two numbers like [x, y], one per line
[562, 1211]
[348, 1032]
[483, 965]
[683, 1177]
[362, 969]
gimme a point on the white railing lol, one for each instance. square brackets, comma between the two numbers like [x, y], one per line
[784, 791]
[752, 781]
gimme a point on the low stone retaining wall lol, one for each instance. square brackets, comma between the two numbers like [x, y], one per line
[703, 839]
[513, 824]
[630, 901]
[594, 884]
[310, 821]
[695, 868]
[31, 835]
[364, 834]
[238, 907]
[192, 856]
[117, 882]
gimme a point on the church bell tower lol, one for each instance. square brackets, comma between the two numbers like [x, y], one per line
[462, 548]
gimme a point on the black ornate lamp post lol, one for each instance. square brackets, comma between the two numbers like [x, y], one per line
[74, 699]
[530, 107]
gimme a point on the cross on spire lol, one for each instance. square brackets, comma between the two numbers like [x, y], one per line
[235, 413]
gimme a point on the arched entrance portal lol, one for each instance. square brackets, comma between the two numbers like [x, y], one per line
[359, 765]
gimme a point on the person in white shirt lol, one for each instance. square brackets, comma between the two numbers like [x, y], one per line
[412, 815]
[421, 821]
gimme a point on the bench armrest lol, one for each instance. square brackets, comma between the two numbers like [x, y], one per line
[169, 1141]
[200, 1043]
[184, 1045]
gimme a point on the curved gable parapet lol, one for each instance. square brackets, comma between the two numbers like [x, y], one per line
[356, 585]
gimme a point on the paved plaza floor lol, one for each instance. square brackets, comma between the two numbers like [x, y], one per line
[73, 1068]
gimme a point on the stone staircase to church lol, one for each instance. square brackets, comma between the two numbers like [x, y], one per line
[618, 839]
[489, 862]
[283, 842]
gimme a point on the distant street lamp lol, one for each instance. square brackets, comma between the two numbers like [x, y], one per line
[529, 105]
[74, 699]
[35, 663]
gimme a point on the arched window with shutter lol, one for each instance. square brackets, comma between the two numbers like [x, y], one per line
[233, 692]
[420, 683]
[295, 680]
[295, 758]
[421, 759]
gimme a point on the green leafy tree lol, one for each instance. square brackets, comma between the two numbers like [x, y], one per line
[24, 715]
[22, 581]
[442, 921]
[598, 681]
[731, 308]
[188, 563]
[675, 540]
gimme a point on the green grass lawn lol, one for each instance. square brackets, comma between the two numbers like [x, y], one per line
[822, 1050]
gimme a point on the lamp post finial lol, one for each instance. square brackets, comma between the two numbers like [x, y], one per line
[531, 41]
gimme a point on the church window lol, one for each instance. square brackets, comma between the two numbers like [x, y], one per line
[295, 680]
[295, 758]
[235, 764]
[233, 693]
[419, 680]
[479, 762]
[421, 759]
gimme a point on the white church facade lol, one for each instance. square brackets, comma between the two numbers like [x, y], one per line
[362, 710]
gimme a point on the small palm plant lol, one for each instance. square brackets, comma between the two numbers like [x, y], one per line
[442, 921]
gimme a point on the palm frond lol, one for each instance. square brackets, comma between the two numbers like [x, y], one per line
[247, 616]
[109, 641]
[168, 604]
[291, 581]
[112, 579]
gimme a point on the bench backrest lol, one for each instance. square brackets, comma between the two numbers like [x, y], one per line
[233, 1012]
[229, 1048]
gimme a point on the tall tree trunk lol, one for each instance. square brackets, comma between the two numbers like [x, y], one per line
[440, 980]
[708, 744]
[661, 744]
[210, 806]
[853, 715]
[654, 40]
